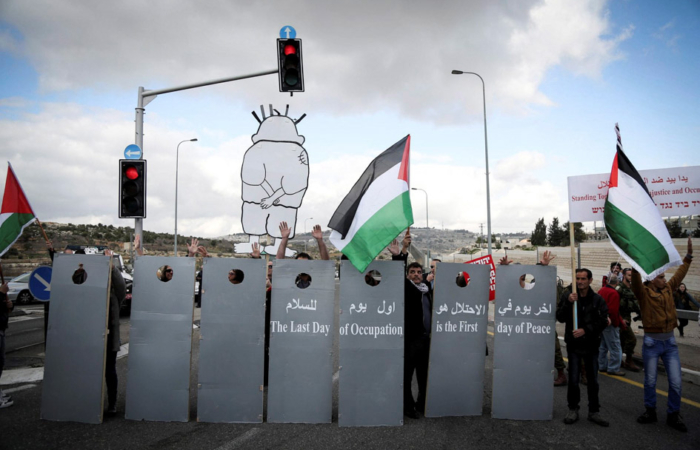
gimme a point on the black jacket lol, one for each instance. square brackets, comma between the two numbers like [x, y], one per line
[413, 310]
[592, 317]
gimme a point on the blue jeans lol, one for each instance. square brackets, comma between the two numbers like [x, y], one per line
[610, 342]
[667, 350]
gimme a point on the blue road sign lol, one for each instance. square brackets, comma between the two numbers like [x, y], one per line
[287, 32]
[40, 283]
[133, 151]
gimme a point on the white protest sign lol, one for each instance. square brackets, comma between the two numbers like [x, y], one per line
[676, 192]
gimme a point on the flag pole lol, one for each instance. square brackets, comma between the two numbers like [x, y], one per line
[38, 222]
[573, 270]
[2, 276]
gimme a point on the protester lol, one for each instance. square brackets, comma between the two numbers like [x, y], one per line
[628, 305]
[582, 343]
[659, 319]
[682, 299]
[6, 306]
[615, 269]
[418, 299]
[610, 341]
[116, 297]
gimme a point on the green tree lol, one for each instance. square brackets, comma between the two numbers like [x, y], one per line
[696, 232]
[674, 228]
[579, 234]
[539, 236]
[554, 234]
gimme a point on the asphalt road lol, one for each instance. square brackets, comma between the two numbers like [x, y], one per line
[621, 399]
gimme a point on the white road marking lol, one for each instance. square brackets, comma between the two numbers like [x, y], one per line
[19, 388]
[240, 439]
[16, 376]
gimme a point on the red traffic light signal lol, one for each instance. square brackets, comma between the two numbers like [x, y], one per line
[290, 65]
[132, 188]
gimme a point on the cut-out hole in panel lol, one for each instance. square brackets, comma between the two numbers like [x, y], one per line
[527, 281]
[165, 273]
[80, 275]
[373, 278]
[235, 276]
[303, 280]
[463, 279]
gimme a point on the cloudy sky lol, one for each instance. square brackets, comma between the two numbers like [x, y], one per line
[558, 74]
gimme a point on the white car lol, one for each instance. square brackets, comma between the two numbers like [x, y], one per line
[19, 289]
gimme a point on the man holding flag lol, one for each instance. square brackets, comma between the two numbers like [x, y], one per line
[639, 234]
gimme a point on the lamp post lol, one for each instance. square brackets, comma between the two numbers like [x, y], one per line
[427, 220]
[305, 239]
[177, 165]
[486, 146]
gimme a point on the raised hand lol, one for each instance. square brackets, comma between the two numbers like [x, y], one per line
[394, 247]
[192, 247]
[203, 251]
[285, 231]
[317, 233]
[690, 246]
[547, 257]
[256, 251]
[505, 261]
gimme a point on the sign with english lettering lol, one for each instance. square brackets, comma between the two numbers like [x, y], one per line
[524, 334]
[458, 340]
[675, 191]
[371, 343]
[300, 380]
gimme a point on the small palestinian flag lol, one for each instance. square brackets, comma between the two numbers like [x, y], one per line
[16, 213]
[377, 208]
[633, 221]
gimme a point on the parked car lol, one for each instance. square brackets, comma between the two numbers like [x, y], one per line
[19, 289]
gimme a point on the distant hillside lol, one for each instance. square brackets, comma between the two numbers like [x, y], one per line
[30, 249]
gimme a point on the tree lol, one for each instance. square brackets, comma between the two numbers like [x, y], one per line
[674, 228]
[498, 245]
[539, 236]
[579, 234]
[555, 233]
[696, 232]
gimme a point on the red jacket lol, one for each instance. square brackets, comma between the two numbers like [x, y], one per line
[612, 298]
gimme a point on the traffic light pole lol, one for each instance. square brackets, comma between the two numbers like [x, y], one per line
[145, 97]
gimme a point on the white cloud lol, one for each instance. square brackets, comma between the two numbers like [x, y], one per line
[66, 159]
[359, 56]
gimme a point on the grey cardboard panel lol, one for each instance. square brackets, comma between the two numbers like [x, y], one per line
[524, 333]
[458, 341]
[76, 340]
[160, 341]
[371, 346]
[232, 345]
[301, 339]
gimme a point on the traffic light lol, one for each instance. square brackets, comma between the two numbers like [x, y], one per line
[291, 72]
[132, 188]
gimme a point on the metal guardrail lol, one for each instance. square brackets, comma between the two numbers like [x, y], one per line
[690, 315]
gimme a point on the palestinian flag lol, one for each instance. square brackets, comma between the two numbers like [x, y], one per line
[633, 221]
[377, 208]
[16, 213]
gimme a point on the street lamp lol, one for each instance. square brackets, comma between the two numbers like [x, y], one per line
[305, 239]
[177, 164]
[486, 145]
[427, 222]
